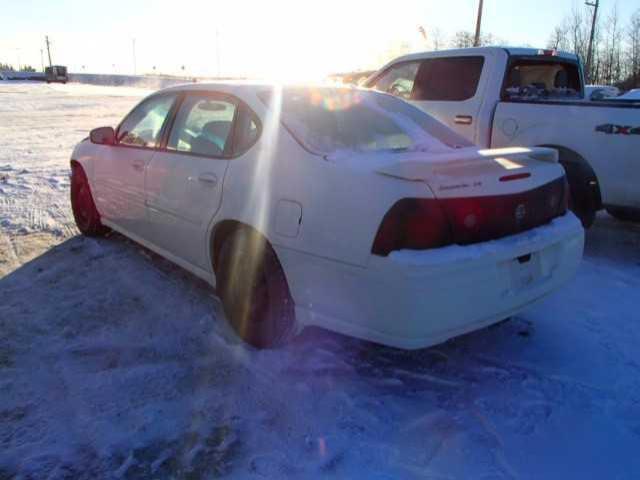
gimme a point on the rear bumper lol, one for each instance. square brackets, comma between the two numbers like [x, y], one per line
[414, 299]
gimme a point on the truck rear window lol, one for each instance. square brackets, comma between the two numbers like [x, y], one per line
[532, 78]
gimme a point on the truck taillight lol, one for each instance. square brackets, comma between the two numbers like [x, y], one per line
[413, 224]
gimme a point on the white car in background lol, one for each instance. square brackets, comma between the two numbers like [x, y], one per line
[633, 94]
[600, 92]
[342, 208]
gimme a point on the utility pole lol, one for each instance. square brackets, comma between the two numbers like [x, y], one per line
[46, 39]
[476, 41]
[42, 59]
[134, 56]
[593, 29]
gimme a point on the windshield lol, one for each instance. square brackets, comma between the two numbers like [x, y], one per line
[331, 120]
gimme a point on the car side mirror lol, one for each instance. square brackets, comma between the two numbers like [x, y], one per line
[103, 136]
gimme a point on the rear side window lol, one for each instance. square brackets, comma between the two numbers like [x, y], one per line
[247, 130]
[203, 126]
[142, 127]
[541, 78]
[448, 79]
[398, 80]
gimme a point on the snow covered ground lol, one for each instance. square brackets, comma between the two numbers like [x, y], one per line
[116, 364]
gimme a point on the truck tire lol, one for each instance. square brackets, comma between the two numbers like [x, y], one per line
[583, 186]
[624, 214]
[254, 290]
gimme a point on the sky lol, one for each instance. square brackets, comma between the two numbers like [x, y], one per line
[274, 39]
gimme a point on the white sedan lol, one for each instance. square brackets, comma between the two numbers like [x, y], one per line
[342, 208]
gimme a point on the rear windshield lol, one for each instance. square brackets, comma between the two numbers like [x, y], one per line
[534, 78]
[329, 120]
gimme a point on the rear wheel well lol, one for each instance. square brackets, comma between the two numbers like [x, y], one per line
[575, 164]
[224, 230]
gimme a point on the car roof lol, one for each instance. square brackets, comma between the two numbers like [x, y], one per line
[244, 87]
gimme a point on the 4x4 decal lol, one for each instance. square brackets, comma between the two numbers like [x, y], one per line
[611, 129]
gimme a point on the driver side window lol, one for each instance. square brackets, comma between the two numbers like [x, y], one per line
[142, 127]
[398, 80]
[203, 126]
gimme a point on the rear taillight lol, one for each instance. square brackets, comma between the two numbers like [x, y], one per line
[413, 224]
[420, 224]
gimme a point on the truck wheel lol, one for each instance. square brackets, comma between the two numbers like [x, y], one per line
[583, 186]
[624, 214]
[84, 209]
[254, 291]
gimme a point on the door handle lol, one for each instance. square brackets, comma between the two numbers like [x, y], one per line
[463, 119]
[139, 166]
[208, 178]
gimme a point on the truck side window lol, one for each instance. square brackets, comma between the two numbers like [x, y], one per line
[398, 80]
[448, 79]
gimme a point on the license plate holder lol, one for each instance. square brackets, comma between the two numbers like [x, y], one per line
[525, 271]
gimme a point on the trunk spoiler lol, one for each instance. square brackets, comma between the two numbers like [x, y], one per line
[422, 170]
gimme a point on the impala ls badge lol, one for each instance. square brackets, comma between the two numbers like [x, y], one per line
[520, 213]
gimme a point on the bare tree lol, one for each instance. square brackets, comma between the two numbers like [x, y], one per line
[465, 39]
[558, 39]
[437, 39]
[633, 48]
[462, 39]
[577, 25]
[610, 50]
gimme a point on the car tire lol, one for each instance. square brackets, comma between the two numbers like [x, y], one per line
[624, 214]
[84, 208]
[254, 291]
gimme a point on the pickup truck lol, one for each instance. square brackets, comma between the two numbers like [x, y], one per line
[502, 97]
